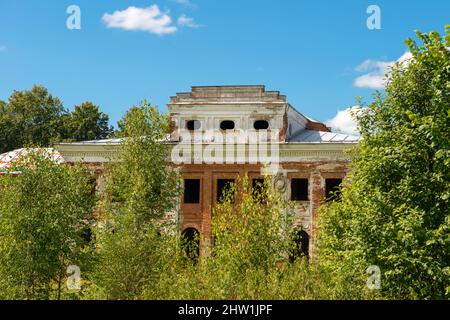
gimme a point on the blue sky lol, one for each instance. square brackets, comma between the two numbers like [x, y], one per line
[312, 51]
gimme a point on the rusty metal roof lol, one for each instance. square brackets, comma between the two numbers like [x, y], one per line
[9, 159]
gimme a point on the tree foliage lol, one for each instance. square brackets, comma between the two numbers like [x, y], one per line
[249, 257]
[393, 211]
[87, 122]
[395, 207]
[141, 189]
[44, 212]
[35, 117]
[31, 117]
[255, 231]
[142, 180]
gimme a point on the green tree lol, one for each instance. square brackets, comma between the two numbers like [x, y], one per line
[251, 236]
[31, 117]
[122, 123]
[44, 211]
[35, 117]
[5, 128]
[87, 122]
[249, 257]
[142, 180]
[395, 205]
[141, 189]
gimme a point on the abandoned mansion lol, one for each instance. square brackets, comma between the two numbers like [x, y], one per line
[221, 133]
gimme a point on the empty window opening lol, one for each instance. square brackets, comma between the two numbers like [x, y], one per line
[227, 125]
[191, 243]
[224, 189]
[155, 190]
[192, 191]
[86, 234]
[299, 190]
[261, 125]
[93, 185]
[258, 186]
[333, 189]
[193, 125]
[300, 247]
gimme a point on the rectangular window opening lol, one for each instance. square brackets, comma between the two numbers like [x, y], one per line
[258, 188]
[223, 187]
[191, 190]
[333, 189]
[299, 190]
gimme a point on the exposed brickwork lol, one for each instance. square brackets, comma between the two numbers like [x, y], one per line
[295, 140]
[283, 132]
[199, 215]
[317, 126]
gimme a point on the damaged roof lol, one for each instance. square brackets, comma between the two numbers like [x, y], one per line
[11, 158]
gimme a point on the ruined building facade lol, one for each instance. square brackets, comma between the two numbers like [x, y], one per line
[221, 133]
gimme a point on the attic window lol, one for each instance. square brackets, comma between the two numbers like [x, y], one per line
[192, 125]
[261, 125]
[227, 125]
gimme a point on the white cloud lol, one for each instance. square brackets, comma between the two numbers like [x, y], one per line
[375, 80]
[186, 21]
[344, 121]
[375, 77]
[149, 19]
[405, 57]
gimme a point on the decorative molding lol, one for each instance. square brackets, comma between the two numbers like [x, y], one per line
[295, 152]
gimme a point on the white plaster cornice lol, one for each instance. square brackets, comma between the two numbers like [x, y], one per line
[288, 152]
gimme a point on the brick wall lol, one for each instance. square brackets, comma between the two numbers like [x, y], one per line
[198, 216]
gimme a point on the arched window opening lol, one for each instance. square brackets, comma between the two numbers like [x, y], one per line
[227, 125]
[261, 125]
[191, 243]
[193, 125]
[86, 234]
[300, 247]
